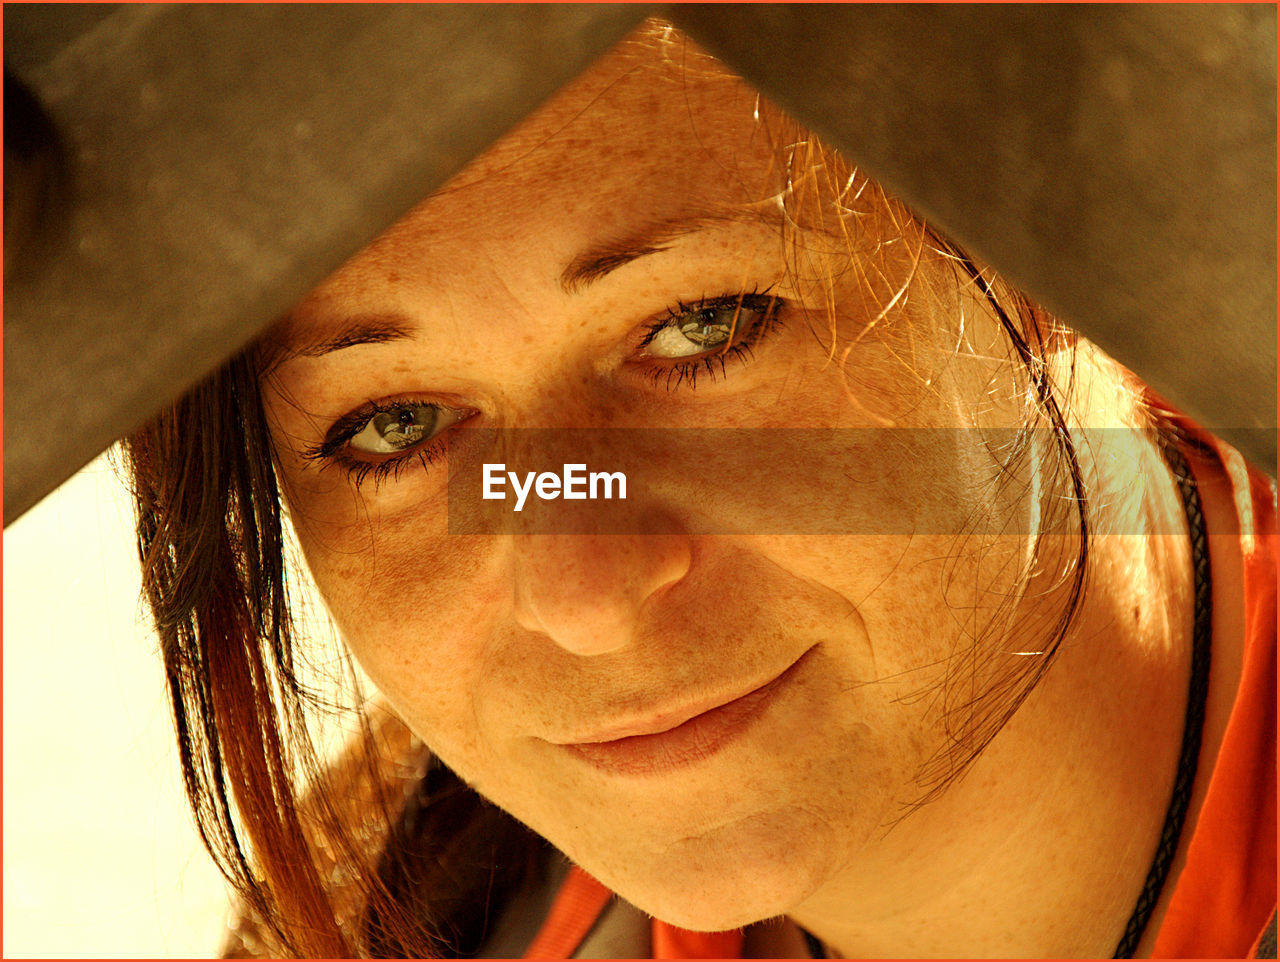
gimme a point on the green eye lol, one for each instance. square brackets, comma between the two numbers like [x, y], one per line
[402, 426]
[382, 437]
[707, 326]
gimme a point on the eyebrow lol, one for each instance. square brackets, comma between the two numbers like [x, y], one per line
[585, 269]
[287, 343]
[654, 238]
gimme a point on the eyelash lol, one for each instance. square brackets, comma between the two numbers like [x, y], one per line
[686, 373]
[712, 364]
[332, 450]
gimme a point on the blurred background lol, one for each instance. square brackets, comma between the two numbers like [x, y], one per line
[101, 859]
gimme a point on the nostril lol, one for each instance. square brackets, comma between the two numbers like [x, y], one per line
[587, 593]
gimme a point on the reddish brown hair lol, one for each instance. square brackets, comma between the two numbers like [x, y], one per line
[315, 873]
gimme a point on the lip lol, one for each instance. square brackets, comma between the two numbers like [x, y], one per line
[674, 740]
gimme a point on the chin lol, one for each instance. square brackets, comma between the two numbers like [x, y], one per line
[713, 902]
[712, 883]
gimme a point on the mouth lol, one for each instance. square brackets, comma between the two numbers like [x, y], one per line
[670, 743]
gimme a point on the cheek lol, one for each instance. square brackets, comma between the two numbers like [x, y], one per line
[919, 610]
[415, 611]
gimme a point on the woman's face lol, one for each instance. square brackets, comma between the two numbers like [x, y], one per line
[713, 695]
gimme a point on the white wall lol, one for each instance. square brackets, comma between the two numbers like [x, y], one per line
[100, 856]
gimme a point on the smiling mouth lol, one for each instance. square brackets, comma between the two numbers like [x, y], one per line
[689, 741]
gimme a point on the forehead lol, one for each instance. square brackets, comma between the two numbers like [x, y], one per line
[655, 132]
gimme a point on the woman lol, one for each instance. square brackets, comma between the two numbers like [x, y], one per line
[897, 644]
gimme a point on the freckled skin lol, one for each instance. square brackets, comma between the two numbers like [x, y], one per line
[493, 646]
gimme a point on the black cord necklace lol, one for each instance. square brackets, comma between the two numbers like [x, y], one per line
[1197, 695]
[1189, 756]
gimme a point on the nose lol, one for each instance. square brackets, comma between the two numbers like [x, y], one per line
[586, 592]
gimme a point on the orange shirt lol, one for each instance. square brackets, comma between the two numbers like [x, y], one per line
[1226, 892]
